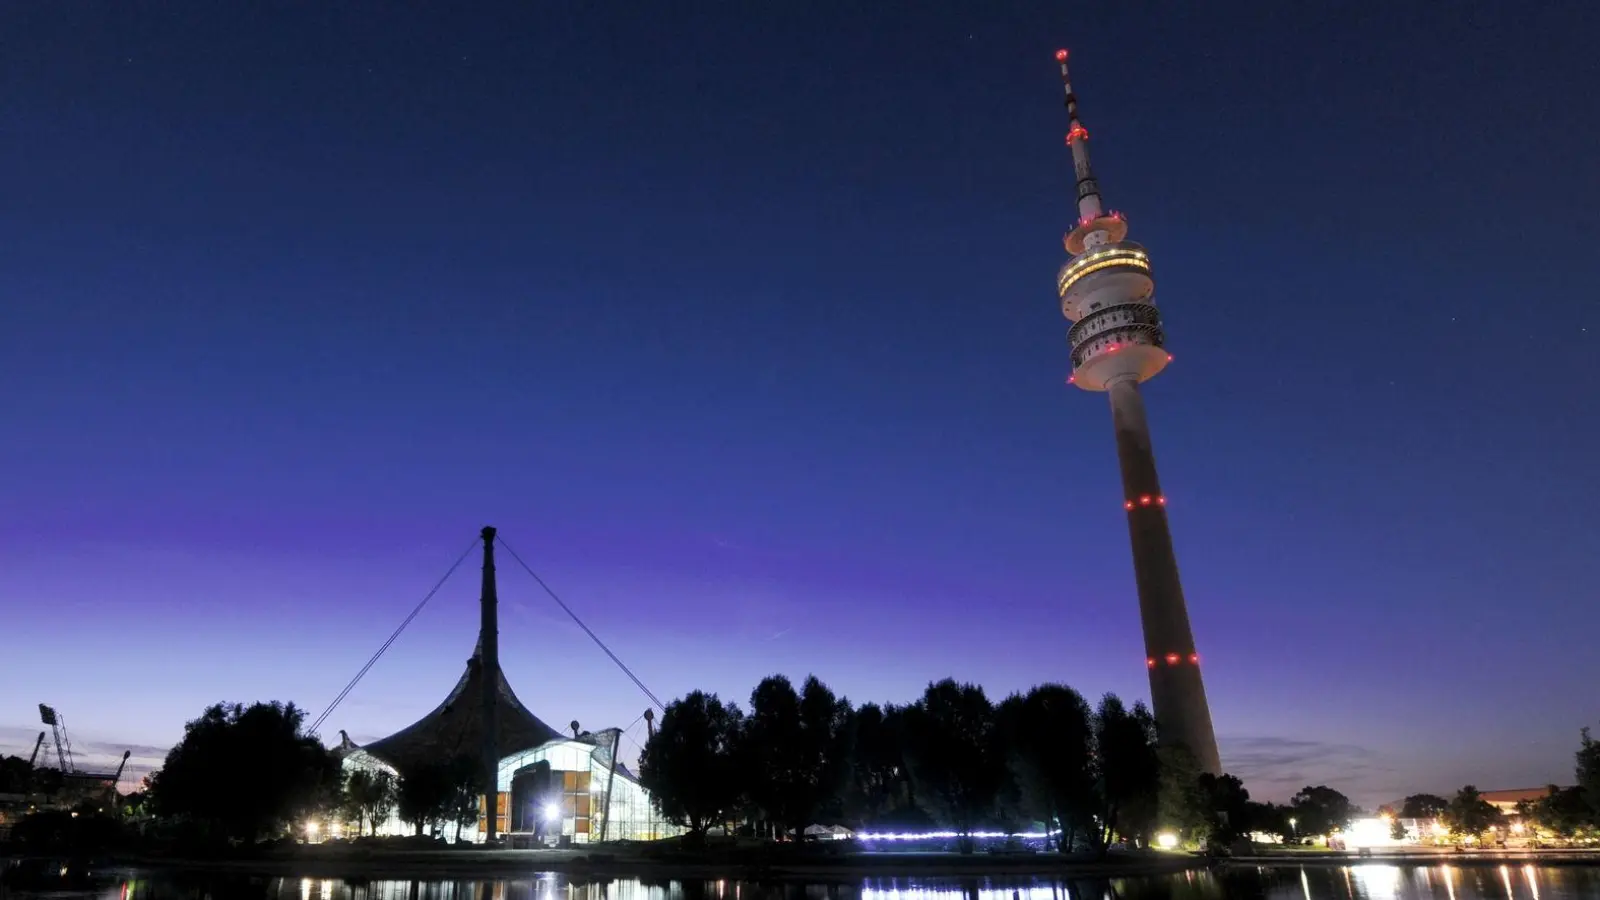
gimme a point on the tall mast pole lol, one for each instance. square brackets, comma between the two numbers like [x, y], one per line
[489, 639]
[1089, 204]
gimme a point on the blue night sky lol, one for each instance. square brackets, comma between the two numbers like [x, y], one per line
[738, 321]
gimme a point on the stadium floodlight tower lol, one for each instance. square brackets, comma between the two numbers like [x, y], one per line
[1106, 290]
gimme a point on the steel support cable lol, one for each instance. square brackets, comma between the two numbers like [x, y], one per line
[636, 721]
[630, 726]
[586, 630]
[386, 644]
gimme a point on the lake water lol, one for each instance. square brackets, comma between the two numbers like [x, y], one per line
[1371, 881]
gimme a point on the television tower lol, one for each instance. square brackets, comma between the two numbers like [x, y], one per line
[1106, 291]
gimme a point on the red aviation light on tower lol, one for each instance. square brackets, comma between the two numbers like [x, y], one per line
[1061, 55]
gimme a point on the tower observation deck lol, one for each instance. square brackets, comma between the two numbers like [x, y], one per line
[1107, 291]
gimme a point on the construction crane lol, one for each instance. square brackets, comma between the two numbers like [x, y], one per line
[36, 745]
[58, 725]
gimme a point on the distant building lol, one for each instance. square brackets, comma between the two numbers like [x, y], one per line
[549, 787]
[1513, 830]
[1506, 801]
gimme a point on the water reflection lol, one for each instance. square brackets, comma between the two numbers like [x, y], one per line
[1374, 881]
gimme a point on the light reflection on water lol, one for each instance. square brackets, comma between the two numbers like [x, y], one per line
[1372, 881]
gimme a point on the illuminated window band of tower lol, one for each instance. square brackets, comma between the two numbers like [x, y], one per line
[1095, 262]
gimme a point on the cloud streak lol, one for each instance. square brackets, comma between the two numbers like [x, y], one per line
[1276, 767]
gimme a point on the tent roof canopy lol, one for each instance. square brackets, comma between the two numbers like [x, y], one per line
[455, 727]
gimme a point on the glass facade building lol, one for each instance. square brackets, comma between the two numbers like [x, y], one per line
[560, 792]
[580, 793]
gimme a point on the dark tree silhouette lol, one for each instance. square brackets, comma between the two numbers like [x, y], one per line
[1320, 810]
[1050, 749]
[1227, 808]
[465, 806]
[686, 764]
[824, 744]
[1587, 773]
[950, 741]
[771, 752]
[369, 798]
[952, 758]
[793, 756]
[1182, 798]
[1469, 815]
[1423, 806]
[424, 795]
[1127, 770]
[1269, 818]
[16, 776]
[880, 787]
[246, 772]
[1561, 811]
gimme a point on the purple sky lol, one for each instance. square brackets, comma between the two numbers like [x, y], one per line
[740, 326]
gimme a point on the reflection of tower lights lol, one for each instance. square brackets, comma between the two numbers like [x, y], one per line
[1117, 342]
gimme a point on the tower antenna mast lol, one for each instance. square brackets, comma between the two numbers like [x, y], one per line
[1107, 291]
[1089, 204]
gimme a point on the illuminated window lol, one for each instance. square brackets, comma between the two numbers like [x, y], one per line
[1094, 262]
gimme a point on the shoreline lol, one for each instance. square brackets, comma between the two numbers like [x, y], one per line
[1553, 858]
[470, 864]
[588, 866]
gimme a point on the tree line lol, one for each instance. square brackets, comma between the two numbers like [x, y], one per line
[278, 778]
[1561, 814]
[1092, 776]
[247, 773]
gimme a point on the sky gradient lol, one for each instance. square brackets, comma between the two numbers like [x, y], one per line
[738, 321]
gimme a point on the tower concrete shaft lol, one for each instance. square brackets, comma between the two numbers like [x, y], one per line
[489, 641]
[1177, 694]
[1107, 291]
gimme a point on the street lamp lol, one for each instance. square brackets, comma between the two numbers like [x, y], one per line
[1292, 833]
